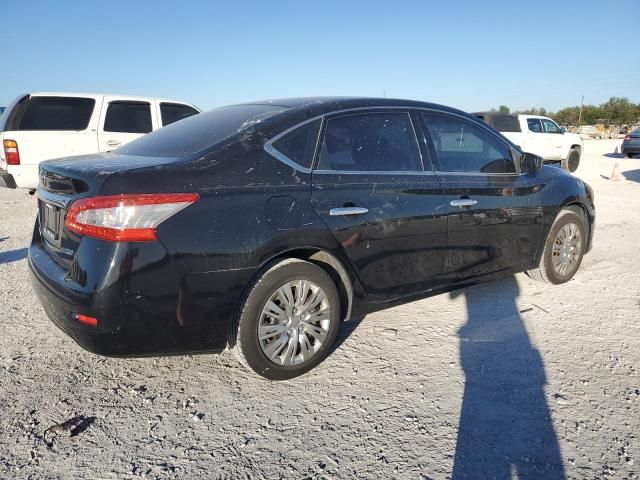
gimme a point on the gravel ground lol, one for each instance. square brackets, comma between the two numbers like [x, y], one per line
[511, 379]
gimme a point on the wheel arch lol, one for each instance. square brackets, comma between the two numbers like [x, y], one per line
[329, 262]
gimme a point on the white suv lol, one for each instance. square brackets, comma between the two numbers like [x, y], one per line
[40, 126]
[538, 135]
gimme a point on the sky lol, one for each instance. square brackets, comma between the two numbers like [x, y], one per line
[469, 54]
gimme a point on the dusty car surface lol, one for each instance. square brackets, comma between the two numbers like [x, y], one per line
[261, 226]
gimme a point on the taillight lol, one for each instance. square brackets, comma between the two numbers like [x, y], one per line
[11, 152]
[125, 218]
[628, 137]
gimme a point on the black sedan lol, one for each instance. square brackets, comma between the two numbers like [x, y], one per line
[631, 144]
[260, 227]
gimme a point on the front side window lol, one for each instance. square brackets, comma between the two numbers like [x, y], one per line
[172, 112]
[549, 126]
[534, 125]
[463, 146]
[299, 145]
[128, 117]
[370, 142]
[57, 113]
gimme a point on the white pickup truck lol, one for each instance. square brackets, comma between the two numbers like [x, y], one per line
[40, 126]
[538, 135]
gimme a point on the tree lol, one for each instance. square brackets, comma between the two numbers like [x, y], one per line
[503, 109]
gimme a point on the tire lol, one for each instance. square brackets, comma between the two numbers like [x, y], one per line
[546, 271]
[629, 155]
[310, 333]
[572, 161]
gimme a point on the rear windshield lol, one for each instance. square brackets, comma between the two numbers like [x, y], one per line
[56, 113]
[199, 132]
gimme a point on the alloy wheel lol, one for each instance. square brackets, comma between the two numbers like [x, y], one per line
[567, 249]
[294, 323]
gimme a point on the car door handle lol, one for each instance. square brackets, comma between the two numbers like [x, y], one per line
[334, 212]
[113, 143]
[463, 202]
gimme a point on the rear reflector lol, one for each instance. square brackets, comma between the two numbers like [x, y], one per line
[11, 152]
[125, 218]
[85, 320]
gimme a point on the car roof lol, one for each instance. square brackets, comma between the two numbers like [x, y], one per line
[300, 109]
[328, 104]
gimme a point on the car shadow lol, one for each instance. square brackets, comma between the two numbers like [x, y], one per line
[13, 255]
[505, 428]
[614, 155]
[346, 329]
[632, 175]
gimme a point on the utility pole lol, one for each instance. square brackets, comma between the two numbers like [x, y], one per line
[580, 116]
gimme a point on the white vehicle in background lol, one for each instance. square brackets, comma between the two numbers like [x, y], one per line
[538, 135]
[41, 126]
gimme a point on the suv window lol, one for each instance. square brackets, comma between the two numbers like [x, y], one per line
[463, 146]
[56, 113]
[299, 145]
[370, 142]
[128, 117]
[534, 125]
[549, 126]
[172, 112]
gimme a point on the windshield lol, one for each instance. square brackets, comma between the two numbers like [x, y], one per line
[199, 132]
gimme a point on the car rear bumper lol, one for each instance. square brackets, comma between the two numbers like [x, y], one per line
[124, 328]
[7, 180]
[630, 149]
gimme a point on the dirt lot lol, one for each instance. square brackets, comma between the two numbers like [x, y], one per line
[509, 379]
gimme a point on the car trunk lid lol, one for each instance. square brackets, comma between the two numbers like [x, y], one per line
[66, 180]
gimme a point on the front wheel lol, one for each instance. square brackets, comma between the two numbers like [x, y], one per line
[563, 249]
[289, 321]
[572, 161]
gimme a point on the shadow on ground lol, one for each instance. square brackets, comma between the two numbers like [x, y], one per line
[505, 428]
[13, 255]
[632, 175]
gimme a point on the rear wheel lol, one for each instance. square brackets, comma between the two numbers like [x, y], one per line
[629, 155]
[563, 249]
[572, 161]
[289, 320]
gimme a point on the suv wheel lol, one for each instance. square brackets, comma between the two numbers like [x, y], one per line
[289, 320]
[563, 249]
[572, 161]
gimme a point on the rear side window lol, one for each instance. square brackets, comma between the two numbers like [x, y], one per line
[370, 142]
[299, 145]
[128, 117]
[172, 112]
[56, 113]
[506, 123]
[462, 146]
[534, 125]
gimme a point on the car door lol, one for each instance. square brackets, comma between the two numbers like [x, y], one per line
[371, 190]
[122, 121]
[537, 142]
[553, 139]
[494, 211]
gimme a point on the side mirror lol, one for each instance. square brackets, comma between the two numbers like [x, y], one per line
[563, 130]
[530, 163]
